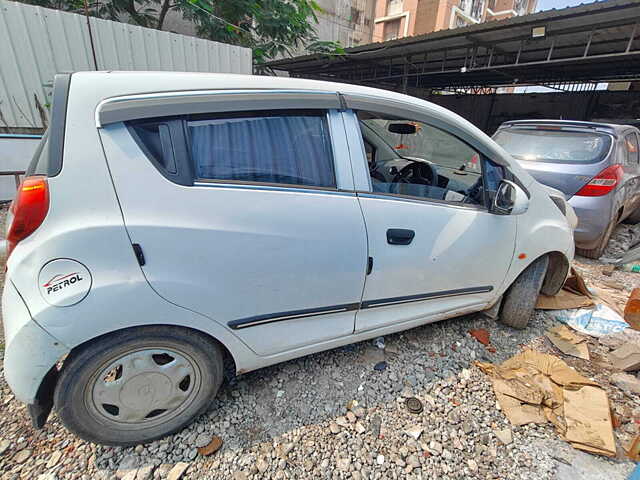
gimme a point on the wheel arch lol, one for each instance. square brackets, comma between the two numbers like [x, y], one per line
[557, 272]
[40, 410]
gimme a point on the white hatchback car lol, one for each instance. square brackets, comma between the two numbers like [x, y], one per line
[170, 220]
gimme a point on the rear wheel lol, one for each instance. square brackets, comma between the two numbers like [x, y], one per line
[602, 244]
[138, 385]
[520, 299]
[634, 217]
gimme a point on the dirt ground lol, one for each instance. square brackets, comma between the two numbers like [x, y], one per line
[299, 419]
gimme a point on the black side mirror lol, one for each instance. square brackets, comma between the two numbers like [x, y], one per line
[402, 128]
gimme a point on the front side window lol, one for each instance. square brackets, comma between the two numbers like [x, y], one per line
[283, 149]
[413, 158]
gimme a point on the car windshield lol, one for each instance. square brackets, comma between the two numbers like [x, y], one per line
[557, 146]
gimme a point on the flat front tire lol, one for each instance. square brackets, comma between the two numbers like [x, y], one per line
[138, 385]
[520, 300]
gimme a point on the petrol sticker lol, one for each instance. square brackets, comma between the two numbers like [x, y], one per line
[64, 282]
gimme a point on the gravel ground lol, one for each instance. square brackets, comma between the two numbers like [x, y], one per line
[331, 415]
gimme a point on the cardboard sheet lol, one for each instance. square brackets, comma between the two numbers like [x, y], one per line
[568, 342]
[563, 300]
[588, 416]
[626, 358]
[534, 387]
[574, 294]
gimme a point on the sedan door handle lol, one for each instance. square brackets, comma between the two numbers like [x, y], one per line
[400, 236]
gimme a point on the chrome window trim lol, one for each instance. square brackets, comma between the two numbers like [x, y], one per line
[412, 199]
[276, 187]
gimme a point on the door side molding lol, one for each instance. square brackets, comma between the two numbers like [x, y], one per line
[241, 323]
[291, 315]
[383, 302]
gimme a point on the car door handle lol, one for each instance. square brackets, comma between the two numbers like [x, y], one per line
[400, 236]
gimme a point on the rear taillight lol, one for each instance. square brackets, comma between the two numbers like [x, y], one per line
[28, 210]
[603, 183]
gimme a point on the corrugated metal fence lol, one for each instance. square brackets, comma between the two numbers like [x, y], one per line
[36, 43]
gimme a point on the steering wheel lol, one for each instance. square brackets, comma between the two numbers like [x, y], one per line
[417, 173]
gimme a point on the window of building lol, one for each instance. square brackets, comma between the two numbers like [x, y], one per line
[392, 30]
[394, 7]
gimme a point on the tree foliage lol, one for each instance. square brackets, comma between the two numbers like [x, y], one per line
[271, 28]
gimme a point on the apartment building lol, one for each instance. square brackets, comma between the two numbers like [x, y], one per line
[404, 18]
[349, 22]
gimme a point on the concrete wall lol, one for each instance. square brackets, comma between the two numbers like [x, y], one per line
[487, 112]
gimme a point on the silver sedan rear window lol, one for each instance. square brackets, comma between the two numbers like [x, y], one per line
[555, 146]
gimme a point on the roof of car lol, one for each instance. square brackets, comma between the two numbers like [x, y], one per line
[149, 81]
[612, 127]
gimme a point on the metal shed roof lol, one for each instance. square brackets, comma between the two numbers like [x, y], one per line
[595, 42]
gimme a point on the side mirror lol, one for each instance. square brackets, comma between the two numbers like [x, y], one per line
[510, 199]
[402, 128]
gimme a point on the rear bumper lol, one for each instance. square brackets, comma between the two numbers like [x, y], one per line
[594, 215]
[30, 352]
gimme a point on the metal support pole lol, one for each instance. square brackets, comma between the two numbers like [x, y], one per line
[519, 52]
[93, 49]
[631, 38]
[586, 49]
[553, 44]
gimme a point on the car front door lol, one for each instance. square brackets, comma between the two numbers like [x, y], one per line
[247, 217]
[434, 248]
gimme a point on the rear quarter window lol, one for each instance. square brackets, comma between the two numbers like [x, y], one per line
[631, 148]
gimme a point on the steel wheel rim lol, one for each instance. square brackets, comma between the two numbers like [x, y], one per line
[143, 387]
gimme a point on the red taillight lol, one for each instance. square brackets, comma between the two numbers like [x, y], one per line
[29, 209]
[603, 183]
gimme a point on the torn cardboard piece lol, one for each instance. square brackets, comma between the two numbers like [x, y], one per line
[568, 342]
[626, 358]
[574, 294]
[563, 300]
[534, 387]
[589, 423]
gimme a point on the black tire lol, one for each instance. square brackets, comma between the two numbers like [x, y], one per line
[634, 218]
[167, 353]
[520, 299]
[597, 251]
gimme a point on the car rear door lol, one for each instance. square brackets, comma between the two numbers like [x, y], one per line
[431, 254]
[246, 216]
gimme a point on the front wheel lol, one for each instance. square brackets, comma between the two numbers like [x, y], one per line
[520, 300]
[138, 385]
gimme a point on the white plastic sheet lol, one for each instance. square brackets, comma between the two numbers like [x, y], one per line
[597, 322]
